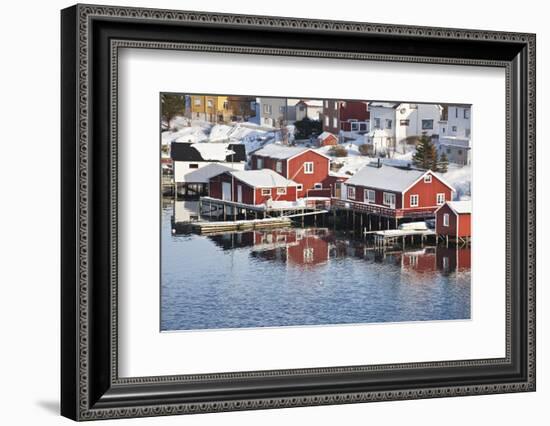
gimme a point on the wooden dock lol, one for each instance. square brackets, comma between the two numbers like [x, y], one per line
[205, 227]
[393, 237]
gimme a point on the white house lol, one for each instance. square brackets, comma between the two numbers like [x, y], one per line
[417, 120]
[312, 109]
[270, 112]
[455, 134]
[381, 136]
[188, 157]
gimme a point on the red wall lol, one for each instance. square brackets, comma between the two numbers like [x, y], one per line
[378, 195]
[464, 225]
[427, 193]
[354, 110]
[289, 196]
[310, 250]
[446, 230]
[296, 170]
[329, 140]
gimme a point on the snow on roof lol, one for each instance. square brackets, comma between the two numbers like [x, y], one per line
[213, 151]
[264, 178]
[280, 152]
[204, 174]
[385, 177]
[460, 207]
[384, 104]
[325, 135]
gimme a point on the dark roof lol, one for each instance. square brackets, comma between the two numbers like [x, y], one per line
[184, 151]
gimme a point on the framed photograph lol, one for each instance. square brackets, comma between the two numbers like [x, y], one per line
[263, 212]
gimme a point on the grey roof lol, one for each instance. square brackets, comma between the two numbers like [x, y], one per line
[461, 207]
[385, 177]
[264, 178]
[280, 152]
[203, 174]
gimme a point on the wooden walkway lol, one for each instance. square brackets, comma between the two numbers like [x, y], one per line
[240, 225]
[392, 237]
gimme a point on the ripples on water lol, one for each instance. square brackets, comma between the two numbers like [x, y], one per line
[312, 276]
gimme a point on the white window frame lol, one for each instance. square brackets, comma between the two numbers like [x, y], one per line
[351, 193]
[210, 103]
[266, 192]
[318, 185]
[367, 196]
[279, 166]
[377, 123]
[259, 163]
[308, 168]
[197, 101]
[440, 198]
[326, 104]
[267, 109]
[389, 123]
[327, 120]
[428, 178]
[335, 105]
[427, 121]
[334, 122]
[299, 187]
[466, 113]
[387, 197]
[414, 200]
[446, 219]
[281, 190]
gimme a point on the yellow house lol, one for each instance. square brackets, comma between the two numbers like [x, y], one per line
[210, 108]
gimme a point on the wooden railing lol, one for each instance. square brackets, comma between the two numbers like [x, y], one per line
[380, 210]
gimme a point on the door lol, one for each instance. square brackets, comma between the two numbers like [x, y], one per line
[226, 191]
[239, 193]
[389, 200]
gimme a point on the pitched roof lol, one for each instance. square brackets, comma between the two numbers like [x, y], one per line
[203, 174]
[325, 135]
[264, 178]
[460, 207]
[385, 177]
[207, 151]
[280, 152]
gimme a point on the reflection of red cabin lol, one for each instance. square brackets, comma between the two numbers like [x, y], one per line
[453, 219]
[397, 192]
[308, 168]
[421, 261]
[327, 139]
[252, 186]
[309, 250]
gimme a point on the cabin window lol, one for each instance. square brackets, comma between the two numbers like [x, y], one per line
[389, 123]
[427, 124]
[299, 187]
[466, 113]
[267, 109]
[428, 179]
[197, 101]
[259, 163]
[354, 126]
[279, 167]
[376, 123]
[335, 105]
[326, 104]
[308, 167]
[440, 199]
[266, 192]
[193, 166]
[389, 199]
[414, 200]
[318, 186]
[351, 192]
[404, 122]
[281, 191]
[454, 128]
[334, 122]
[308, 254]
[327, 123]
[209, 103]
[370, 196]
[446, 219]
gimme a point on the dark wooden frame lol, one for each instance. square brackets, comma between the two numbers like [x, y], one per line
[91, 37]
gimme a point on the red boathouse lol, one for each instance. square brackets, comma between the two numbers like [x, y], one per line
[453, 220]
[252, 187]
[305, 166]
[396, 192]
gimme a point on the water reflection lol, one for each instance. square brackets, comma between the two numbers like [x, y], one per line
[303, 276]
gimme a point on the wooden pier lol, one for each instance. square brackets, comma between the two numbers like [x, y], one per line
[239, 225]
[394, 237]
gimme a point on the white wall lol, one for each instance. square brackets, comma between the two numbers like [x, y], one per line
[29, 303]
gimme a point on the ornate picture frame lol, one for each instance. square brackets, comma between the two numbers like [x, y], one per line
[91, 38]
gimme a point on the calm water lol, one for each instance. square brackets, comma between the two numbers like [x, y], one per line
[313, 276]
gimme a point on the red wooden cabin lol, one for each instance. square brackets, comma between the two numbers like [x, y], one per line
[308, 168]
[397, 192]
[327, 139]
[453, 219]
[252, 187]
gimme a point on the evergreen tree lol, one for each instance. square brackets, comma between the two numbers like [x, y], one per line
[172, 105]
[443, 164]
[425, 156]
